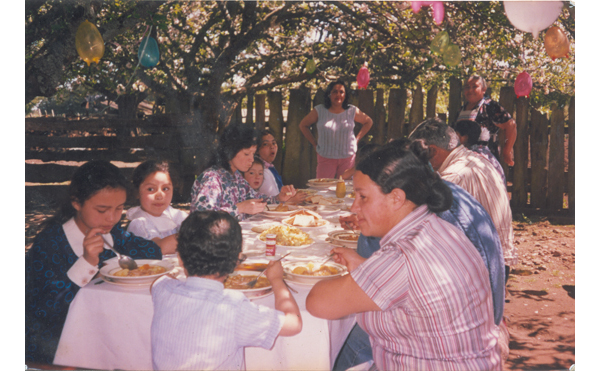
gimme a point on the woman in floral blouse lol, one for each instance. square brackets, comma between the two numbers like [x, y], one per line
[222, 186]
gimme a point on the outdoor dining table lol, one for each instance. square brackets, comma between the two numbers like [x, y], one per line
[108, 325]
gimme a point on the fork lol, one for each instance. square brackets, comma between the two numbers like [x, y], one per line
[252, 283]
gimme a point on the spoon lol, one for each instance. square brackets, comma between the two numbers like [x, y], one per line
[125, 262]
[318, 266]
[252, 283]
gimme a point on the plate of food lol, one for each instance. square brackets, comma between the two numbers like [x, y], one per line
[344, 238]
[306, 220]
[148, 270]
[238, 280]
[311, 272]
[279, 210]
[323, 200]
[287, 236]
[322, 182]
[308, 191]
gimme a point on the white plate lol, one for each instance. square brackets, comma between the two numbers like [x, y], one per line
[252, 293]
[145, 285]
[322, 182]
[272, 212]
[336, 236]
[112, 266]
[323, 223]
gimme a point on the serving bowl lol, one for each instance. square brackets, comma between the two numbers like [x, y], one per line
[112, 266]
[288, 268]
[252, 293]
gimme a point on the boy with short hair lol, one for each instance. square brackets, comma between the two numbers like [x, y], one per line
[199, 325]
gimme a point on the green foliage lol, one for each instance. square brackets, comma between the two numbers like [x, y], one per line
[215, 53]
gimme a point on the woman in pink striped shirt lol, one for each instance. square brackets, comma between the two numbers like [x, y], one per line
[424, 298]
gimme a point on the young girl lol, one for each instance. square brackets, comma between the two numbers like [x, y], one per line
[255, 175]
[68, 252]
[155, 219]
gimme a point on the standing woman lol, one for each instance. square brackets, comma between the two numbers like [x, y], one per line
[424, 297]
[336, 147]
[491, 116]
[222, 186]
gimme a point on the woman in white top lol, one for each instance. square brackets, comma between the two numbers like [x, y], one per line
[336, 143]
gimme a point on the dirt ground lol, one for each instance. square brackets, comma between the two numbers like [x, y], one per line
[540, 307]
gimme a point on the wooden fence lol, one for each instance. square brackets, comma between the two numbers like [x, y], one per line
[542, 180]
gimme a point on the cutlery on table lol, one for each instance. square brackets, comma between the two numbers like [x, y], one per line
[252, 283]
[125, 262]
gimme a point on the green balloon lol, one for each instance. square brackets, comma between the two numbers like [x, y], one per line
[452, 55]
[440, 43]
[310, 66]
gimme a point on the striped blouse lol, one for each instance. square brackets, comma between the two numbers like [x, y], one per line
[335, 131]
[477, 176]
[435, 298]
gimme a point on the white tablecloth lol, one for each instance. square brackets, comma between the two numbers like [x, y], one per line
[108, 326]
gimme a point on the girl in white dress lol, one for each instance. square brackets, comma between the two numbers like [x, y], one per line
[155, 219]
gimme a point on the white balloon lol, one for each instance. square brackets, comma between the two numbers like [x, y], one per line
[532, 16]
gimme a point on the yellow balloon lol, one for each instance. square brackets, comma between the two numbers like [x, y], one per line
[89, 43]
[452, 55]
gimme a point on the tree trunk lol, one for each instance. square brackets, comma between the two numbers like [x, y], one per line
[507, 100]
[260, 111]
[365, 104]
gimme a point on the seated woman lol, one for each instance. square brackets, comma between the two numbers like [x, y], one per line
[222, 186]
[424, 297]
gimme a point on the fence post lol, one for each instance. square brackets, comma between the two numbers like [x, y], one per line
[396, 111]
[260, 111]
[379, 119]
[556, 161]
[431, 101]
[519, 182]
[276, 125]
[415, 116]
[538, 140]
[250, 110]
[298, 150]
[365, 104]
[571, 175]
[454, 99]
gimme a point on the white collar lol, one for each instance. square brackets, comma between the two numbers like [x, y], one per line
[75, 237]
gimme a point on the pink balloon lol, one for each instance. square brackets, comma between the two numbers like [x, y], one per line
[523, 85]
[437, 6]
[362, 79]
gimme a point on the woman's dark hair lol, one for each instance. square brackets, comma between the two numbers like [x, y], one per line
[469, 128]
[365, 150]
[234, 139]
[400, 164]
[209, 242]
[146, 168]
[88, 180]
[327, 102]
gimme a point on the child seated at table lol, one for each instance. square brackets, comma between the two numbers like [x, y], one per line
[155, 219]
[69, 250]
[255, 175]
[199, 325]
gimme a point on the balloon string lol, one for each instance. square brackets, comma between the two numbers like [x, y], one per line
[133, 74]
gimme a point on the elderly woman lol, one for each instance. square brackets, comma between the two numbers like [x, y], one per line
[335, 120]
[424, 297]
[222, 186]
[491, 116]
